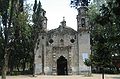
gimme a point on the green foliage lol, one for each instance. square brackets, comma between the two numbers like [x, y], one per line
[21, 2]
[101, 56]
[105, 33]
[98, 3]
[37, 15]
[35, 6]
[78, 3]
[20, 45]
[87, 62]
[37, 18]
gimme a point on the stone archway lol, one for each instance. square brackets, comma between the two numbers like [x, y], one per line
[62, 66]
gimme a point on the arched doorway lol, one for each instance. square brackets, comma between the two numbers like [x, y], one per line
[62, 66]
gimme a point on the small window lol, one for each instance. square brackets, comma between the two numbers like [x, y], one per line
[83, 22]
[75, 36]
[61, 40]
[38, 40]
[72, 40]
[42, 37]
[47, 44]
[37, 43]
[51, 41]
[37, 47]
[39, 56]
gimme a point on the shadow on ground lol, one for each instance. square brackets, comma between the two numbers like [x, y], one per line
[115, 77]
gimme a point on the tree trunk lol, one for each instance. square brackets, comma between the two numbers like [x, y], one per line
[6, 55]
[103, 73]
[18, 68]
[10, 64]
[5, 65]
[33, 64]
[11, 68]
[42, 59]
[24, 62]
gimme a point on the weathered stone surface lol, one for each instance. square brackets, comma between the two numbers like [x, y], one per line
[66, 42]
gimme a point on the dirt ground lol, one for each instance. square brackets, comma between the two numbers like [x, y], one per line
[94, 76]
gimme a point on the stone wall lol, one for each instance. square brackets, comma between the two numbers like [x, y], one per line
[84, 51]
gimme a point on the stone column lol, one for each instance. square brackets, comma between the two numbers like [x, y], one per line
[69, 61]
[54, 69]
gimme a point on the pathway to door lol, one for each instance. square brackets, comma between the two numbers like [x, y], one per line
[94, 76]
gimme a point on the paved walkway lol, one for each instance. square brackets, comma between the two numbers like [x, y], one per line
[94, 76]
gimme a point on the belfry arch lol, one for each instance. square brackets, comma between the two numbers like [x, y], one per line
[62, 68]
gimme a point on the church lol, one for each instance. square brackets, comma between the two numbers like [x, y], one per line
[62, 51]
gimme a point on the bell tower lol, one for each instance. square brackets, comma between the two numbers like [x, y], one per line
[82, 19]
[44, 21]
[83, 38]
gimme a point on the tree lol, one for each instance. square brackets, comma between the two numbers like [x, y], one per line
[6, 11]
[6, 20]
[87, 62]
[21, 35]
[22, 42]
[98, 3]
[78, 3]
[101, 57]
[104, 30]
[22, 51]
[37, 18]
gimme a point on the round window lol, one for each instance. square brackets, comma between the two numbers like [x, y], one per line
[72, 40]
[51, 41]
[61, 40]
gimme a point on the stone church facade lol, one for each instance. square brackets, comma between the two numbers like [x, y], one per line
[62, 51]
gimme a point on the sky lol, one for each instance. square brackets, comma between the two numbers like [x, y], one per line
[56, 10]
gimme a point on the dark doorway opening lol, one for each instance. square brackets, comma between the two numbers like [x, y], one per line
[62, 66]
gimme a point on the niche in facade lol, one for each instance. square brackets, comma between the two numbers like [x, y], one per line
[61, 40]
[42, 37]
[83, 22]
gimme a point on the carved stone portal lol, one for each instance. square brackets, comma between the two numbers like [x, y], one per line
[61, 61]
[62, 68]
